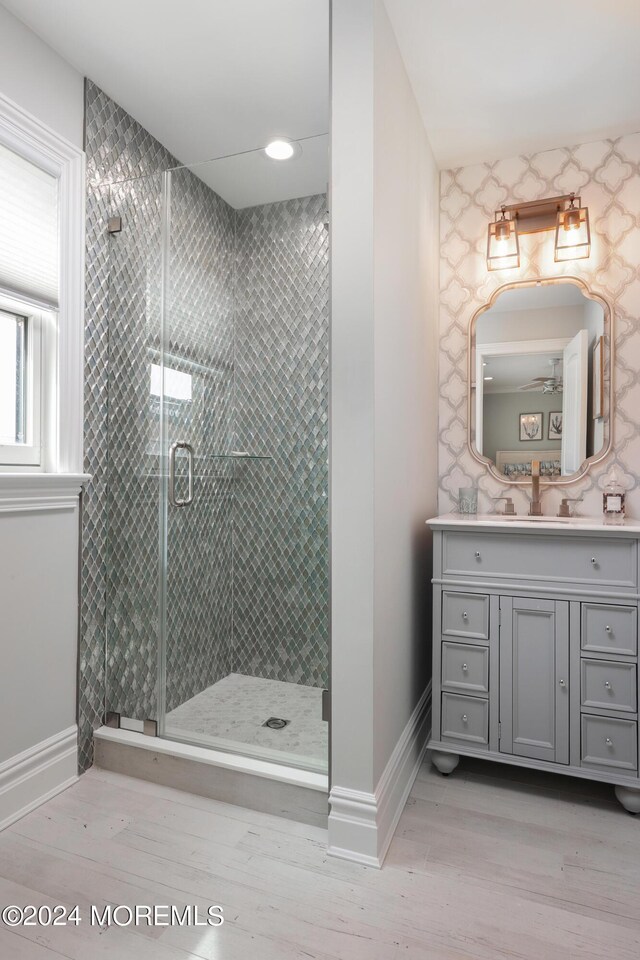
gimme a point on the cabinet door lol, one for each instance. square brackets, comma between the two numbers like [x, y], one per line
[534, 678]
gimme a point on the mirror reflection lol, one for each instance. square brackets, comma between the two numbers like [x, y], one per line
[540, 362]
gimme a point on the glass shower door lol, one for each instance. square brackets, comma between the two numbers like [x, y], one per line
[244, 527]
[131, 303]
[197, 403]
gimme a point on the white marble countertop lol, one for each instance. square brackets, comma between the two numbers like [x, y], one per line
[630, 528]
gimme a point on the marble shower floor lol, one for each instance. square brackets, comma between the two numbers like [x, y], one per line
[231, 713]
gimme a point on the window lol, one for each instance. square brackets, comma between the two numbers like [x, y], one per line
[29, 286]
[20, 388]
[41, 303]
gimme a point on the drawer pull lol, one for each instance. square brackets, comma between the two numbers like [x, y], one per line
[465, 667]
[465, 615]
[609, 742]
[477, 554]
[594, 561]
[562, 683]
[464, 718]
[607, 685]
[608, 628]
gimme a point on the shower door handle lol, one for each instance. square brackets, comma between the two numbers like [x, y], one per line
[180, 501]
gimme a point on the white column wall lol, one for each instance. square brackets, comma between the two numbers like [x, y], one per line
[383, 428]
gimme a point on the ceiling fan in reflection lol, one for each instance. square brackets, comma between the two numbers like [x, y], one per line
[552, 384]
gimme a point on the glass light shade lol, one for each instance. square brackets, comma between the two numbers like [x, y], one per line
[503, 249]
[573, 237]
[281, 149]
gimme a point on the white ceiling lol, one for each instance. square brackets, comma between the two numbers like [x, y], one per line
[208, 78]
[495, 78]
[512, 372]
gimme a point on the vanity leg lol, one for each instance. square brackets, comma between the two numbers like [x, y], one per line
[629, 797]
[445, 762]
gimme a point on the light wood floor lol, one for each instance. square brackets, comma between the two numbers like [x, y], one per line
[490, 863]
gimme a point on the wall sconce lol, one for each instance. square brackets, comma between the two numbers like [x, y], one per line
[570, 222]
[573, 237]
[503, 249]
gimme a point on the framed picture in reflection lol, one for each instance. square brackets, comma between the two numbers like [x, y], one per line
[530, 426]
[555, 426]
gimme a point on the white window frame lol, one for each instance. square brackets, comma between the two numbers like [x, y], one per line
[62, 333]
[29, 453]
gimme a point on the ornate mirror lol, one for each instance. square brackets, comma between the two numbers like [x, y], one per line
[540, 383]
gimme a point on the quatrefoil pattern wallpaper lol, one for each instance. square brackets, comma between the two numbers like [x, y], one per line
[606, 173]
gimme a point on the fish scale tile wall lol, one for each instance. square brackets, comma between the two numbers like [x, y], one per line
[247, 564]
[607, 175]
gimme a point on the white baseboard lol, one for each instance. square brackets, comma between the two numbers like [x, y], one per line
[361, 825]
[37, 774]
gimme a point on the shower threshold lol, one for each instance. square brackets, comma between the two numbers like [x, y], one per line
[259, 784]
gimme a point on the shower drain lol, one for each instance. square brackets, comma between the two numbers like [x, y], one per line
[276, 723]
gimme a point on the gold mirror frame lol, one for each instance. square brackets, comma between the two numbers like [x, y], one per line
[609, 340]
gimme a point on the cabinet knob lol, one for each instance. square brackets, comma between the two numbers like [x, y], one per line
[477, 554]
[465, 667]
[609, 742]
[607, 685]
[465, 615]
[608, 628]
[464, 718]
[593, 561]
[562, 683]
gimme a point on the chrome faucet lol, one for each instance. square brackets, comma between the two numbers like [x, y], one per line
[535, 507]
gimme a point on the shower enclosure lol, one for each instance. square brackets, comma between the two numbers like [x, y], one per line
[217, 502]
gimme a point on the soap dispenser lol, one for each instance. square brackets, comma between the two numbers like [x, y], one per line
[613, 500]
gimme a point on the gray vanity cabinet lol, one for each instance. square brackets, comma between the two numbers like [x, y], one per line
[535, 654]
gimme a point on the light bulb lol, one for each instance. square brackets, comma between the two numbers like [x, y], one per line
[502, 231]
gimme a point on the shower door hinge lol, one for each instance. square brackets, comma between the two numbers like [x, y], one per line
[114, 224]
[326, 705]
[150, 728]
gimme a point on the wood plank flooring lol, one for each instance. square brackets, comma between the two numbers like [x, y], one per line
[489, 863]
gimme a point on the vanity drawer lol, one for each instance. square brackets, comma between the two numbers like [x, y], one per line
[465, 614]
[609, 628]
[607, 742]
[609, 685]
[465, 667]
[600, 560]
[465, 718]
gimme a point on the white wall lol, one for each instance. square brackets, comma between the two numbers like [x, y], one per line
[405, 268]
[383, 427]
[38, 598]
[39, 533]
[39, 80]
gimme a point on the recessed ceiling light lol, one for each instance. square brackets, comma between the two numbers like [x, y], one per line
[281, 149]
